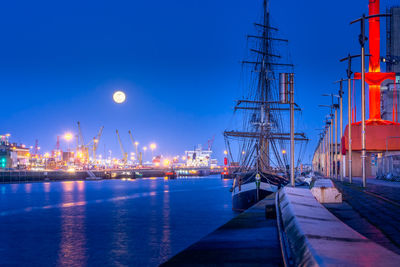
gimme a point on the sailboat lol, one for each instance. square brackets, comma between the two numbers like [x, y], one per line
[258, 144]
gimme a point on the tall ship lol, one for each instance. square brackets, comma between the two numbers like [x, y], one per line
[260, 135]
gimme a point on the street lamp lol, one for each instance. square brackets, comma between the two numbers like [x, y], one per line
[144, 151]
[362, 39]
[335, 108]
[329, 141]
[349, 72]
[341, 125]
[68, 137]
[331, 130]
[46, 156]
[136, 150]
[152, 147]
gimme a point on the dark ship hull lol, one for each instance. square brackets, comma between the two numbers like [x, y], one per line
[246, 193]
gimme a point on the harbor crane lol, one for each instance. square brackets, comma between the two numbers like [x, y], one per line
[210, 142]
[96, 141]
[81, 144]
[93, 144]
[124, 154]
[135, 144]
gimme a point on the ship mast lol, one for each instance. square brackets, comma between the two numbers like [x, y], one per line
[264, 126]
[263, 156]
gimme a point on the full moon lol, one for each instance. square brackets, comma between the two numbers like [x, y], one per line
[119, 97]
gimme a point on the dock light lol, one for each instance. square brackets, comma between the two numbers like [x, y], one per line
[153, 146]
[283, 151]
[166, 162]
[136, 143]
[46, 155]
[119, 97]
[225, 152]
[68, 136]
[145, 148]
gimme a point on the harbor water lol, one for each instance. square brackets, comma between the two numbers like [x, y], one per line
[140, 222]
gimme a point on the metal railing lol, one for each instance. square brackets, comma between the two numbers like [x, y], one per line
[389, 167]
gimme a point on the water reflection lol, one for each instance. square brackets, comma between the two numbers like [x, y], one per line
[28, 188]
[153, 184]
[166, 233]
[120, 238]
[73, 237]
[113, 223]
[14, 188]
[46, 187]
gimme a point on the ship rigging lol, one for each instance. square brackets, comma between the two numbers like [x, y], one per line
[259, 144]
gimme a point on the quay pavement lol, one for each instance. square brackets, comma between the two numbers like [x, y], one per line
[373, 211]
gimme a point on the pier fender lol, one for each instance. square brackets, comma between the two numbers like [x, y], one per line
[325, 191]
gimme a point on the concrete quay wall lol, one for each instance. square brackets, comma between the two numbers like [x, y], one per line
[18, 176]
[315, 237]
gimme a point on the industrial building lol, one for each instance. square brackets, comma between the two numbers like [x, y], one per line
[382, 129]
[390, 89]
[13, 155]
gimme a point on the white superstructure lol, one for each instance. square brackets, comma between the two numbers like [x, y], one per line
[198, 157]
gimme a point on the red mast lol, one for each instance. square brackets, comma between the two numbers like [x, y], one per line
[375, 77]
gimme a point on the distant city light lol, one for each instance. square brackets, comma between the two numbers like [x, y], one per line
[119, 97]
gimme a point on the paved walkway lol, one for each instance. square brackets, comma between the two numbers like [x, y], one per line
[373, 181]
[373, 211]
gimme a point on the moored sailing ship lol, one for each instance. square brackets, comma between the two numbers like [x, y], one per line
[259, 143]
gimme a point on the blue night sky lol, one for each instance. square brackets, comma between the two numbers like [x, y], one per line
[177, 61]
